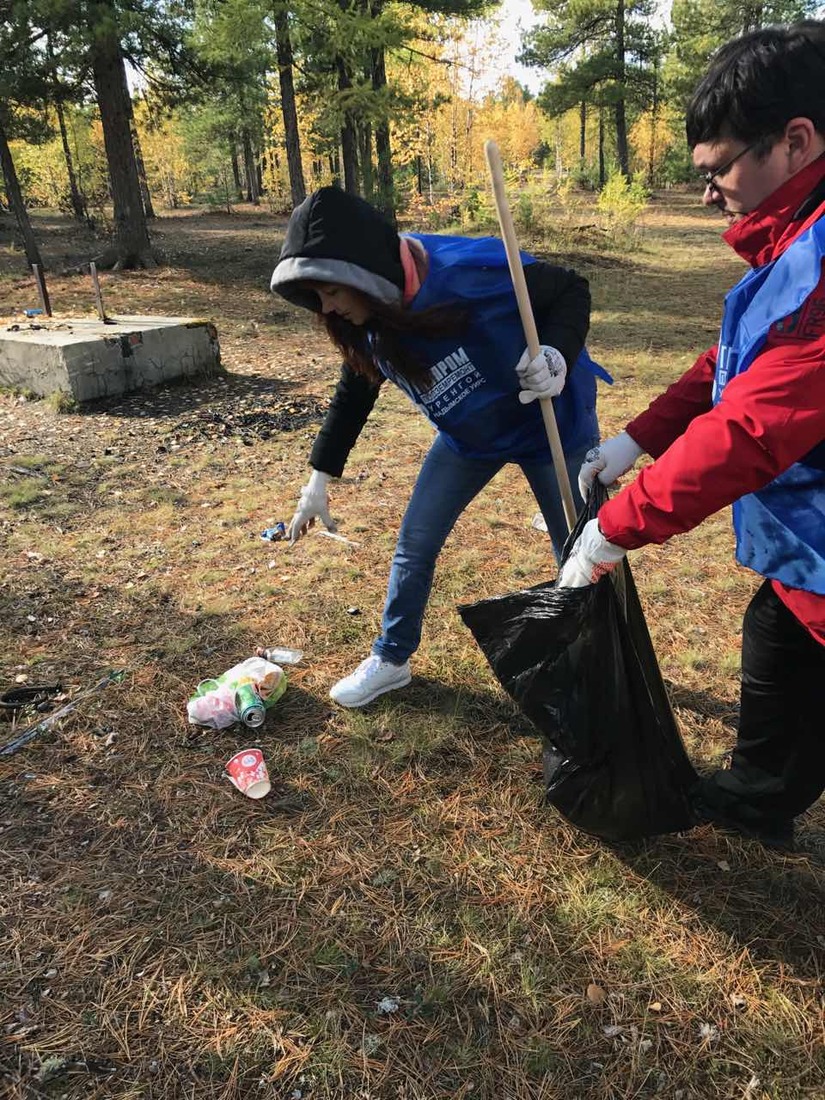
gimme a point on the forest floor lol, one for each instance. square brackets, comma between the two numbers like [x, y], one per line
[403, 916]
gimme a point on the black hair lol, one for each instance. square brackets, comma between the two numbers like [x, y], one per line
[757, 83]
[391, 327]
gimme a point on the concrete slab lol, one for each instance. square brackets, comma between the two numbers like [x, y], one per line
[88, 359]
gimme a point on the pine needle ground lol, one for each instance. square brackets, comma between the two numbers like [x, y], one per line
[402, 916]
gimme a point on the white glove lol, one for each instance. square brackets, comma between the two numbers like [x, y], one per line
[591, 557]
[542, 377]
[609, 460]
[314, 502]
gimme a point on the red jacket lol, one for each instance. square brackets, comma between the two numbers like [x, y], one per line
[768, 418]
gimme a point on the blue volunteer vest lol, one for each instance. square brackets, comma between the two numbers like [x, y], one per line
[473, 396]
[780, 530]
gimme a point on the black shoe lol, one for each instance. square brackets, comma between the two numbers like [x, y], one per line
[778, 834]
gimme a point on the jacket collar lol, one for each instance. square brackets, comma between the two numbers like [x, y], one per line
[769, 229]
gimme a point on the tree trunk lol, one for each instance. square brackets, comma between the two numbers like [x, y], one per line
[654, 122]
[15, 197]
[621, 139]
[383, 150]
[430, 142]
[283, 45]
[349, 144]
[145, 193]
[386, 194]
[132, 245]
[385, 197]
[145, 196]
[365, 158]
[250, 169]
[78, 203]
[602, 173]
[582, 131]
[236, 172]
[454, 146]
[621, 117]
[559, 158]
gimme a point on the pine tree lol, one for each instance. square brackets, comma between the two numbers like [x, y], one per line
[597, 49]
[284, 54]
[701, 26]
[24, 83]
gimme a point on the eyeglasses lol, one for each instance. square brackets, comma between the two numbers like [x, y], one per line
[709, 178]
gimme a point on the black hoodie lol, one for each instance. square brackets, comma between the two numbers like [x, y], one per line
[335, 237]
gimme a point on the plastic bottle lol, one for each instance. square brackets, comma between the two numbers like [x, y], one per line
[280, 655]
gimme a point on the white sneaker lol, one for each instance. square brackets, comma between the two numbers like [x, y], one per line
[372, 678]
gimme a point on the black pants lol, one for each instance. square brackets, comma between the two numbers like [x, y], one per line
[778, 765]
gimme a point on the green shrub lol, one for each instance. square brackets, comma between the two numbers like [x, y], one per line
[61, 402]
[525, 215]
[472, 204]
[620, 204]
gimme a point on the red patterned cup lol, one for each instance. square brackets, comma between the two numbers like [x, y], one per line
[247, 770]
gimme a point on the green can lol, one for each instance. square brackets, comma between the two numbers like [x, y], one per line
[249, 705]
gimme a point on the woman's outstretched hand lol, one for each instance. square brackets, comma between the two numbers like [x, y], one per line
[313, 504]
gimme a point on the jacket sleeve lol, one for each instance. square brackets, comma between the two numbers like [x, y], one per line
[769, 417]
[561, 305]
[351, 404]
[668, 415]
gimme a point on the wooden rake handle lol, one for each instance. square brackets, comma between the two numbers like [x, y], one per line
[528, 323]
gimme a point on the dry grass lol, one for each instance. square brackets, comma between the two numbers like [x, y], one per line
[162, 937]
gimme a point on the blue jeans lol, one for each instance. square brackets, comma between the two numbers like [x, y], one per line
[445, 486]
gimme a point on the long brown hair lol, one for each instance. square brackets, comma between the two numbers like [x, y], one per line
[390, 326]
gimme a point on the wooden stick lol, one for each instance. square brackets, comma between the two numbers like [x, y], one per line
[101, 312]
[41, 289]
[528, 322]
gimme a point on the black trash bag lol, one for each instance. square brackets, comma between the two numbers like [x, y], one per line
[580, 664]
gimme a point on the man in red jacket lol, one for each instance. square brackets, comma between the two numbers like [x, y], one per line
[746, 424]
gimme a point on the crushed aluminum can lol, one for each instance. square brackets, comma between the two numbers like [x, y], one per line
[250, 706]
